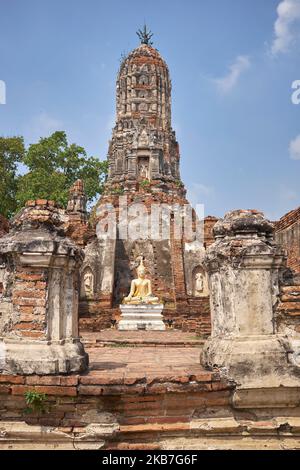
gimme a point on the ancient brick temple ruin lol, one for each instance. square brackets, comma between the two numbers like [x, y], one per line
[144, 162]
[39, 294]
[100, 388]
[243, 395]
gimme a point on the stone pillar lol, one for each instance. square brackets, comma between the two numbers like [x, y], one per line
[39, 301]
[243, 266]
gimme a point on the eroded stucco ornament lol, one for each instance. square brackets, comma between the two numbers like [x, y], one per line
[244, 266]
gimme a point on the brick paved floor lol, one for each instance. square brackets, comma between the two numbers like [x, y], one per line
[141, 363]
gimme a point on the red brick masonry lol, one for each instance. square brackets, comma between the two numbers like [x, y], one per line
[161, 395]
[288, 234]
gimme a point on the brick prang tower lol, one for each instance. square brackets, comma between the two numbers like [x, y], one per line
[143, 160]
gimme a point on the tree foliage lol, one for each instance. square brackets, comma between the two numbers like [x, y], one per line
[53, 166]
[12, 152]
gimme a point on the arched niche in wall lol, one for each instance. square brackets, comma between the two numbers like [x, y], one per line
[87, 283]
[6, 284]
[200, 284]
[6, 276]
[143, 80]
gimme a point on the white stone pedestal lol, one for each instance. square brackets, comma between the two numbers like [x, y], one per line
[141, 317]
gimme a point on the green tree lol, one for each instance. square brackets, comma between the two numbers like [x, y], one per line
[12, 152]
[54, 165]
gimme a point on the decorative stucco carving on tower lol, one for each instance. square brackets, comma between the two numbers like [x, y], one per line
[143, 144]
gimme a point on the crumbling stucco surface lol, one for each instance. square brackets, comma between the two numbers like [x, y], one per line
[39, 299]
[245, 268]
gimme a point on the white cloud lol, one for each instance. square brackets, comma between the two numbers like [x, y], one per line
[288, 12]
[295, 148]
[228, 82]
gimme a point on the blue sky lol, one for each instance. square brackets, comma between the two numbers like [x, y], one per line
[232, 64]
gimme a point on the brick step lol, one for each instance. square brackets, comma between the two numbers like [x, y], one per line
[115, 338]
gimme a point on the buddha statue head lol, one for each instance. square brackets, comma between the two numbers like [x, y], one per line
[141, 270]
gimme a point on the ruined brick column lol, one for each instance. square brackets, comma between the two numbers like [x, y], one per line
[76, 225]
[39, 298]
[244, 265]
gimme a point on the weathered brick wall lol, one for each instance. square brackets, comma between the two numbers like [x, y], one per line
[166, 264]
[76, 224]
[201, 326]
[94, 412]
[77, 230]
[288, 308]
[95, 317]
[29, 302]
[124, 410]
[209, 223]
[287, 233]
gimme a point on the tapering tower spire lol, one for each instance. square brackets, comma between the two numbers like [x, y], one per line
[143, 145]
[145, 35]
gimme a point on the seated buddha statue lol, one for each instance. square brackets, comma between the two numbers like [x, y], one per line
[140, 290]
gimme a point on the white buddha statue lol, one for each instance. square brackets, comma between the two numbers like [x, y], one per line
[141, 291]
[88, 283]
[199, 284]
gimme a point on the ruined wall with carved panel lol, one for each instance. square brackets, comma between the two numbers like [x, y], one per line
[143, 158]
